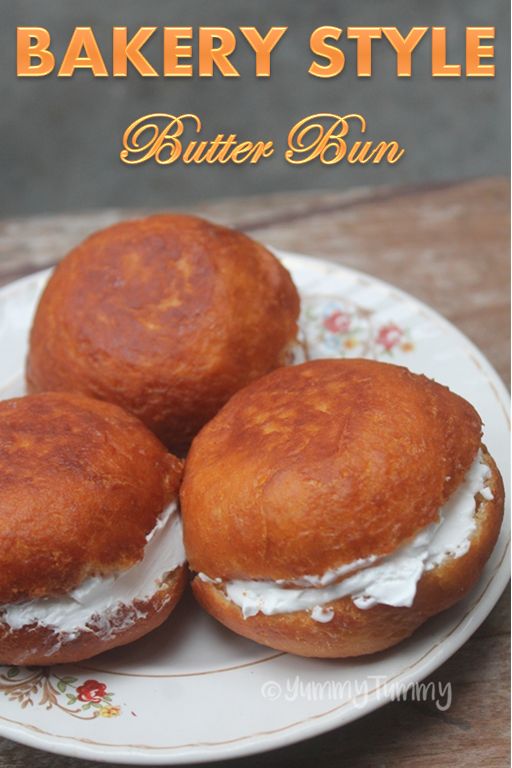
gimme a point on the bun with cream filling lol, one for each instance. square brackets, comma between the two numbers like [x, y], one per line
[91, 550]
[166, 316]
[331, 508]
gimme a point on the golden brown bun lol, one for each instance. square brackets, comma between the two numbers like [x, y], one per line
[317, 465]
[355, 632]
[166, 316]
[36, 645]
[81, 485]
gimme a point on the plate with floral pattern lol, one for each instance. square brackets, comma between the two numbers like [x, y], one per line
[192, 691]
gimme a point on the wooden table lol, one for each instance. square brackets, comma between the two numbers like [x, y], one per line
[449, 246]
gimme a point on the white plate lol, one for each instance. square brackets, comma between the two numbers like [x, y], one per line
[193, 691]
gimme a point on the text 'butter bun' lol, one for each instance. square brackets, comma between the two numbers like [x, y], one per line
[330, 508]
[167, 316]
[91, 546]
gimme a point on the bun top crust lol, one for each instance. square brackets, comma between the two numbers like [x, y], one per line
[81, 485]
[167, 316]
[317, 465]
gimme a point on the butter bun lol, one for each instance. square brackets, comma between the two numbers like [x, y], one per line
[166, 316]
[88, 508]
[330, 508]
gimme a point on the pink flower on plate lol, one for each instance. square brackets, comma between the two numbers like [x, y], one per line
[338, 321]
[92, 691]
[389, 336]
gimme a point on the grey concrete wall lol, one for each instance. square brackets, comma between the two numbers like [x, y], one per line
[60, 139]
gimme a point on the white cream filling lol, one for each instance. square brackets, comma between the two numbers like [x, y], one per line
[97, 600]
[392, 580]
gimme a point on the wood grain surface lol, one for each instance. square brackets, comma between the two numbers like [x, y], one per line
[449, 246]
